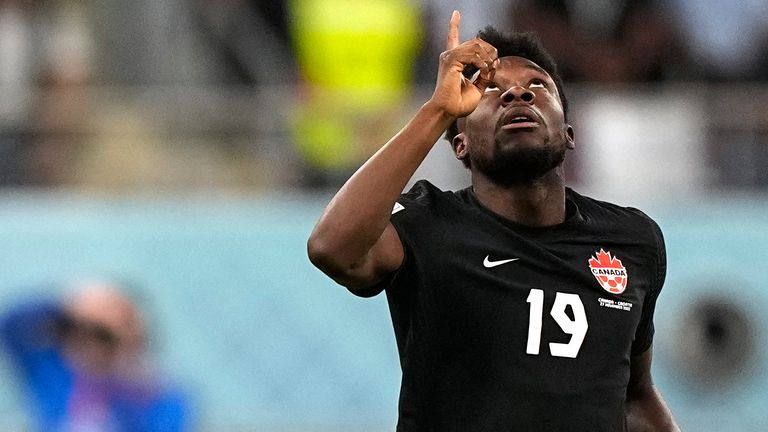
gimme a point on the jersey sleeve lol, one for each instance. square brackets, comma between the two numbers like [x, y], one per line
[410, 212]
[28, 329]
[645, 329]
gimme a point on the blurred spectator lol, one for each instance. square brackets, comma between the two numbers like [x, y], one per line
[251, 38]
[355, 62]
[43, 46]
[85, 367]
[728, 40]
[44, 42]
[607, 41]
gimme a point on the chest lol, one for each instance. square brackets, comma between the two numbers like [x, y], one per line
[564, 297]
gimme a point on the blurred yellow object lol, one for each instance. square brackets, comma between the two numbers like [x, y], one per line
[360, 50]
[356, 60]
[323, 137]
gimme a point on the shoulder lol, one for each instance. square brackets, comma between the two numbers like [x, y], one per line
[171, 395]
[424, 192]
[614, 215]
[424, 196]
[170, 408]
[158, 395]
[630, 226]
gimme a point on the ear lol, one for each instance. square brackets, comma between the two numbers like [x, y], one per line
[570, 137]
[459, 144]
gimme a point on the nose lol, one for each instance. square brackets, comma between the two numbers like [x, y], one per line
[517, 93]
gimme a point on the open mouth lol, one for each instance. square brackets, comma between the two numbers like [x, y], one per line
[519, 118]
[520, 121]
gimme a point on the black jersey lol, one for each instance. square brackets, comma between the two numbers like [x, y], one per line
[504, 327]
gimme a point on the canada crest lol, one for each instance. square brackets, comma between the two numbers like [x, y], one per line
[609, 272]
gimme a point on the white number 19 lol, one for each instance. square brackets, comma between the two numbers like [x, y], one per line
[576, 327]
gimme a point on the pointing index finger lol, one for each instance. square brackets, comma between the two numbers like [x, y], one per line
[453, 30]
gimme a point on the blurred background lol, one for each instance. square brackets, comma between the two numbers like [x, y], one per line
[183, 149]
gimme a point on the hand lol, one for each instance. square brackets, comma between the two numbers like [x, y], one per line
[454, 94]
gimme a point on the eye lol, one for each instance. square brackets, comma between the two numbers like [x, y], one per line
[537, 83]
[491, 87]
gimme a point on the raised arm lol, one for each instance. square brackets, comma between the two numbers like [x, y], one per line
[353, 242]
[29, 328]
[646, 410]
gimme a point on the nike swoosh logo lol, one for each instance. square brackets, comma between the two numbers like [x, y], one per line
[487, 263]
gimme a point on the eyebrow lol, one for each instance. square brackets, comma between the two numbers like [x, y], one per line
[537, 68]
[533, 67]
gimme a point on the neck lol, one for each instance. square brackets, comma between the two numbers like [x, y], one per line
[537, 203]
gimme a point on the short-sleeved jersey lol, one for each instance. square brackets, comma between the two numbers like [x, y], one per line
[504, 327]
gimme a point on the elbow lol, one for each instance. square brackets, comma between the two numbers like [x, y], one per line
[317, 252]
[334, 262]
[323, 256]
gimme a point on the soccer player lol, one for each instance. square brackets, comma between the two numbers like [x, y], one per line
[517, 304]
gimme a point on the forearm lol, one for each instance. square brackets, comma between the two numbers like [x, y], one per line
[359, 213]
[353, 242]
[647, 412]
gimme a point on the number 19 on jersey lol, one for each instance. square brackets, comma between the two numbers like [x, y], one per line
[576, 327]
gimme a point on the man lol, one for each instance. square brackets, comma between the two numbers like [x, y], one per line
[518, 304]
[85, 368]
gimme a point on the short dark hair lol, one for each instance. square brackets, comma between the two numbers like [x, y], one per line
[526, 45]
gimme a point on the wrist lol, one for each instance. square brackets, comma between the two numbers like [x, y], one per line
[437, 112]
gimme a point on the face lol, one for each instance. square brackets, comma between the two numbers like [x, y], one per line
[518, 132]
[103, 330]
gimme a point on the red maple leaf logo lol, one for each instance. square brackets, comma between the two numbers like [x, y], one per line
[604, 259]
[609, 272]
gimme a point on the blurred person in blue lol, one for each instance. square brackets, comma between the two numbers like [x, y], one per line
[84, 365]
